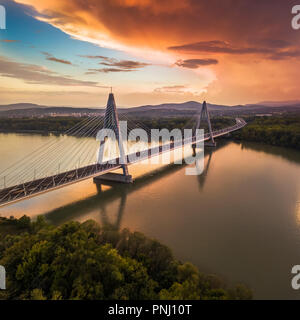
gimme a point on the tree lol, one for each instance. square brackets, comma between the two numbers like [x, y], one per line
[84, 261]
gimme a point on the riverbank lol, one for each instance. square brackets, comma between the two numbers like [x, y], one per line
[283, 131]
[55, 125]
[113, 264]
[32, 132]
[276, 131]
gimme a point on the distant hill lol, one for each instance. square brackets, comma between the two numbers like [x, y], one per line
[191, 107]
[163, 110]
[18, 106]
[279, 103]
[31, 110]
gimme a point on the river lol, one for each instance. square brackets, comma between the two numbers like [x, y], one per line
[240, 219]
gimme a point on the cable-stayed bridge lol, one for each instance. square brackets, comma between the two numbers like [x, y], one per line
[74, 160]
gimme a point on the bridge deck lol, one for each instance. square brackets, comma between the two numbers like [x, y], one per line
[39, 186]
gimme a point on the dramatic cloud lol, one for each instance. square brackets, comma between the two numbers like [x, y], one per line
[272, 49]
[115, 65]
[195, 63]
[50, 57]
[256, 48]
[217, 47]
[34, 74]
[158, 23]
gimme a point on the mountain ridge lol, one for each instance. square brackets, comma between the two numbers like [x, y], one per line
[164, 110]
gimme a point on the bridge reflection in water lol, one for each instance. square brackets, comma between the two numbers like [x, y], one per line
[120, 192]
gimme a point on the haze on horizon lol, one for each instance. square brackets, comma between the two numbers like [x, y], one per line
[69, 52]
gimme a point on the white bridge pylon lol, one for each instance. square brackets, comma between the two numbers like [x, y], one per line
[204, 115]
[111, 121]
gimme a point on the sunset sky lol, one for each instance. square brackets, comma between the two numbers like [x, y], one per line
[69, 52]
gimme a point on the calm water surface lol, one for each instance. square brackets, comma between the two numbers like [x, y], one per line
[240, 219]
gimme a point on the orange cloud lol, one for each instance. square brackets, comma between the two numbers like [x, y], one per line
[195, 63]
[163, 23]
[251, 39]
[155, 6]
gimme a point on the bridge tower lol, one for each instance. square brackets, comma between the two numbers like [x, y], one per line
[204, 115]
[111, 121]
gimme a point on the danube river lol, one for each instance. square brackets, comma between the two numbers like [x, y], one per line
[240, 219]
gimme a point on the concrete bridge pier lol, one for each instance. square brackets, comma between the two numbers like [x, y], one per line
[112, 178]
[210, 144]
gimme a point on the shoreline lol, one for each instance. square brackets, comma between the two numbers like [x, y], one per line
[41, 132]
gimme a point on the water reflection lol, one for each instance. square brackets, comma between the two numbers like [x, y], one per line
[119, 192]
[105, 221]
[105, 196]
[202, 178]
[298, 211]
[289, 154]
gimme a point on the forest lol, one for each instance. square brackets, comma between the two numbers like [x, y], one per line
[281, 131]
[85, 261]
[276, 130]
[45, 125]
[62, 124]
